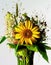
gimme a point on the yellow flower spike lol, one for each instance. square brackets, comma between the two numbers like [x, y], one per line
[27, 33]
[10, 22]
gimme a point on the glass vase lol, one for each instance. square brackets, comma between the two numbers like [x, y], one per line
[25, 57]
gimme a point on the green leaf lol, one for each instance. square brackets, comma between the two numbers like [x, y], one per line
[12, 45]
[16, 10]
[36, 22]
[2, 39]
[32, 48]
[17, 47]
[15, 20]
[44, 55]
[26, 16]
[42, 51]
[47, 47]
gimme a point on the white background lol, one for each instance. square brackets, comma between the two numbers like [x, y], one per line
[7, 56]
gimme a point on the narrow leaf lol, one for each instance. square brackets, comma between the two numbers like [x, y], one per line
[15, 20]
[44, 55]
[12, 45]
[48, 48]
[25, 14]
[2, 39]
[32, 48]
[26, 17]
[17, 47]
[42, 51]
[16, 10]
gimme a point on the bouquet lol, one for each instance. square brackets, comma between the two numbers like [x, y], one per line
[26, 35]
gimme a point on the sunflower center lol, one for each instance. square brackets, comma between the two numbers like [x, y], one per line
[27, 33]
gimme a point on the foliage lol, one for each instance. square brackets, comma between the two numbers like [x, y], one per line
[2, 39]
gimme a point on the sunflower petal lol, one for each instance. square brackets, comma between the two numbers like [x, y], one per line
[29, 23]
[31, 26]
[26, 40]
[33, 39]
[36, 36]
[17, 36]
[36, 32]
[21, 40]
[26, 24]
[17, 29]
[30, 42]
[21, 25]
[35, 28]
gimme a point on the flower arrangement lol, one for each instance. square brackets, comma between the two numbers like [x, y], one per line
[26, 37]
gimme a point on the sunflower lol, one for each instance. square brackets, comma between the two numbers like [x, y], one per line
[26, 32]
